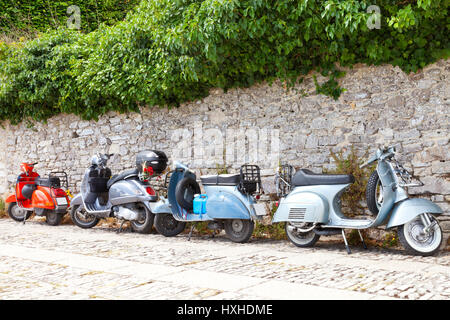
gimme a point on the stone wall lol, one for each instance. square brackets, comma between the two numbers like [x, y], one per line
[382, 105]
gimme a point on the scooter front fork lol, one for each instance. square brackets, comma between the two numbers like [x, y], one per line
[428, 225]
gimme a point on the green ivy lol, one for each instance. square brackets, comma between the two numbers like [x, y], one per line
[168, 52]
[41, 15]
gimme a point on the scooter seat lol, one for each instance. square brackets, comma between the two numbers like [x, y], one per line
[51, 182]
[305, 177]
[221, 179]
[122, 176]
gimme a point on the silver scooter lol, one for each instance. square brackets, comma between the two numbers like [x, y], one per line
[311, 206]
[125, 196]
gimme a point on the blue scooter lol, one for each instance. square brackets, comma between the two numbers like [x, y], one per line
[229, 202]
[310, 206]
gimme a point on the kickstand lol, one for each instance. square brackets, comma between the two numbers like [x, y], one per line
[362, 239]
[24, 217]
[190, 232]
[345, 241]
[121, 225]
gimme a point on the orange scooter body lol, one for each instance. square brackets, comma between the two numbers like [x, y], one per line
[42, 197]
[11, 198]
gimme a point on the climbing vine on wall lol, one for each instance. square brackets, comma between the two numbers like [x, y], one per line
[40, 15]
[167, 52]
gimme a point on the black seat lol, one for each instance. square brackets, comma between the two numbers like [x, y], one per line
[51, 182]
[305, 177]
[221, 180]
[122, 176]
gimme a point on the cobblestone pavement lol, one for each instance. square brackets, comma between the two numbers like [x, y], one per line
[65, 262]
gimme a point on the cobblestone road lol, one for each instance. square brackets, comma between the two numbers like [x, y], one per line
[65, 262]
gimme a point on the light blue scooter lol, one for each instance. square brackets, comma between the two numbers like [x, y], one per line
[228, 203]
[312, 206]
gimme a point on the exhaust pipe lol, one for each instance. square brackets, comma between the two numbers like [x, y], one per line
[327, 232]
[125, 214]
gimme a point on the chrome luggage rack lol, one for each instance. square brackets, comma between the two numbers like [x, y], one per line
[283, 179]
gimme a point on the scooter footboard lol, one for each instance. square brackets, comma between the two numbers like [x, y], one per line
[408, 209]
[77, 200]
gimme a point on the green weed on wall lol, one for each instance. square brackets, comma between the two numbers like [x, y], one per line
[167, 52]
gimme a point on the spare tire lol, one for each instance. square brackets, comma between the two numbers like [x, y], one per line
[374, 193]
[185, 191]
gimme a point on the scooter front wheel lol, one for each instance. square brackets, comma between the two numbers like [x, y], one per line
[239, 230]
[301, 239]
[167, 225]
[82, 219]
[416, 241]
[18, 214]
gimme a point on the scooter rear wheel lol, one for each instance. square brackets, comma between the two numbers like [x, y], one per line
[301, 239]
[145, 224]
[167, 225]
[17, 213]
[53, 218]
[239, 230]
[82, 220]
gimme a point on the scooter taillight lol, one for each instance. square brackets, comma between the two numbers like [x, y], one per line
[151, 191]
[58, 193]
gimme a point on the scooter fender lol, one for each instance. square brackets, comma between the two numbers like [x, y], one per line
[409, 209]
[11, 198]
[224, 205]
[302, 206]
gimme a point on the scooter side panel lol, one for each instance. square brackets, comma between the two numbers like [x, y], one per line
[126, 191]
[407, 210]
[224, 205]
[42, 199]
[302, 205]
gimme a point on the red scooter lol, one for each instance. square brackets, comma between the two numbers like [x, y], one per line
[43, 196]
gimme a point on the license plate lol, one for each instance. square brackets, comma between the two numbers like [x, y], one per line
[260, 209]
[61, 201]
